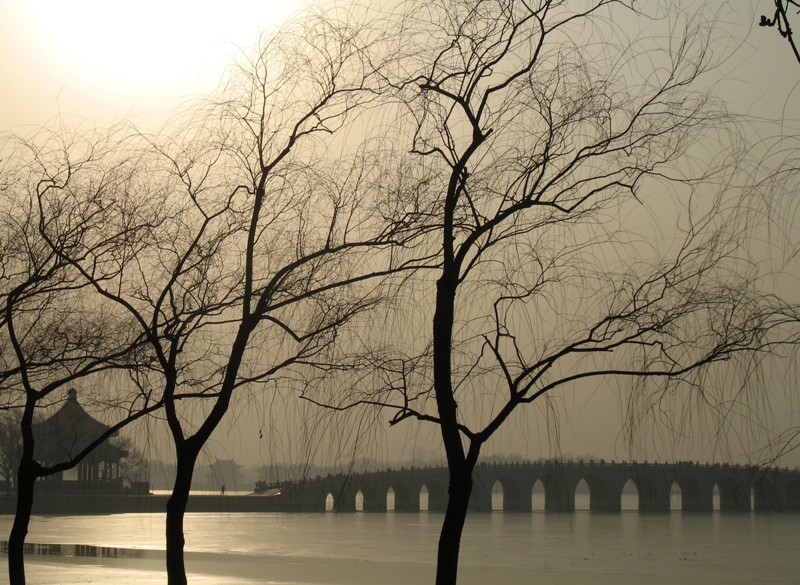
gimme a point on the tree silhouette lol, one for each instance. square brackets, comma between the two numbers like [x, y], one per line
[573, 200]
[589, 223]
[266, 239]
[56, 331]
[780, 21]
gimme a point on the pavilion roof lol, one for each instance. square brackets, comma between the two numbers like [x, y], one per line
[68, 431]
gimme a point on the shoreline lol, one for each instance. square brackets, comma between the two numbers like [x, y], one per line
[91, 505]
[101, 505]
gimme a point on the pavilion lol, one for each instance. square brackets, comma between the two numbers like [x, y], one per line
[63, 436]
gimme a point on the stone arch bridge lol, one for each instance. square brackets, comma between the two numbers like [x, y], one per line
[739, 488]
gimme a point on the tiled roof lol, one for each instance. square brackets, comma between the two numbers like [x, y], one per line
[67, 432]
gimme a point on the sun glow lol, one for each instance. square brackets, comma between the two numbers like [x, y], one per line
[125, 56]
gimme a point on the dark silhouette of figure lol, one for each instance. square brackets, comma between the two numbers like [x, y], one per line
[222, 490]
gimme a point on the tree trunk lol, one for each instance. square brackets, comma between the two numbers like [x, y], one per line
[460, 486]
[459, 464]
[459, 493]
[176, 510]
[26, 479]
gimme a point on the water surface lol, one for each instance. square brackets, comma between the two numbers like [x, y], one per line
[360, 549]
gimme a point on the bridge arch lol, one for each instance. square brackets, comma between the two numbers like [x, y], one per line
[675, 497]
[359, 501]
[498, 496]
[629, 496]
[390, 499]
[583, 495]
[424, 498]
[538, 496]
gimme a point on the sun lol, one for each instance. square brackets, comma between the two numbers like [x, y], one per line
[126, 54]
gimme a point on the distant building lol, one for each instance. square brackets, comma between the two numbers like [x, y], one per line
[227, 473]
[63, 436]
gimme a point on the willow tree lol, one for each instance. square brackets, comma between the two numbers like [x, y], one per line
[589, 226]
[273, 235]
[55, 330]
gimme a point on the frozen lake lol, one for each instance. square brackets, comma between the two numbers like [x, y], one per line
[355, 549]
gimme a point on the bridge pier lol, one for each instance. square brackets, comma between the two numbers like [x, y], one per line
[734, 497]
[437, 497]
[605, 493]
[558, 495]
[700, 501]
[481, 498]
[518, 500]
[605, 502]
[345, 500]
[792, 495]
[375, 503]
[654, 498]
[404, 499]
[480, 506]
[737, 502]
[769, 495]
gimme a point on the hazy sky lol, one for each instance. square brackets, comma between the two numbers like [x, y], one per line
[105, 60]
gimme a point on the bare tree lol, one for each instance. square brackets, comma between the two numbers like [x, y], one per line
[270, 240]
[557, 149]
[135, 466]
[56, 329]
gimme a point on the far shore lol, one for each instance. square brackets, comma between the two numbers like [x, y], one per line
[155, 502]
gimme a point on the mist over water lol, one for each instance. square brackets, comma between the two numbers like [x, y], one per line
[356, 549]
